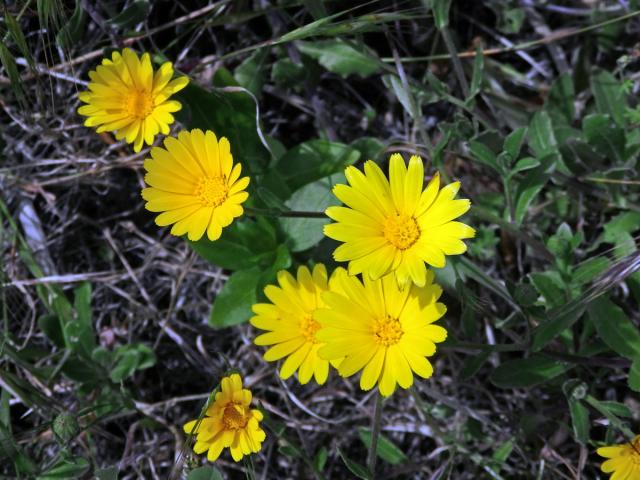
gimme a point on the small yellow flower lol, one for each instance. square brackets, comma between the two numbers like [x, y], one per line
[623, 460]
[290, 323]
[194, 182]
[395, 226]
[228, 423]
[126, 97]
[382, 329]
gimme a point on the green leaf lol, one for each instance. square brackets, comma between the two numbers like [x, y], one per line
[65, 469]
[72, 31]
[304, 233]
[314, 160]
[251, 73]
[358, 470]
[579, 420]
[440, 9]
[129, 358]
[551, 287]
[18, 37]
[79, 331]
[562, 97]
[132, 15]
[605, 136]
[528, 190]
[320, 459]
[559, 320]
[110, 473]
[473, 363]
[634, 376]
[341, 57]
[9, 64]
[287, 74]
[478, 74]
[205, 473]
[608, 95]
[244, 244]
[527, 372]
[484, 155]
[50, 325]
[233, 303]
[542, 139]
[503, 451]
[227, 114]
[524, 164]
[513, 142]
[385, 448]
[615, 328]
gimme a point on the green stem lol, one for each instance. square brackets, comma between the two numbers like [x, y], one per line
[254, 212]
[613, 419]
[375, 433]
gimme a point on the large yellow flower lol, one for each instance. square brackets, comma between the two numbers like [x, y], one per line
[623, 460]
[126, 97]
[393, 225]
[290, 323]
[194, 182]
[229, 422]
[382, 329]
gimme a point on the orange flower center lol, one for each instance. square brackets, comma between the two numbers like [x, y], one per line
[139, 104]
[212, 191]
[401, 231]
[387, 331]
[234, 417]
[308, 329]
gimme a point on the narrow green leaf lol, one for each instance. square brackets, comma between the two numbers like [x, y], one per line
[478, 74]
[562, 97]
[18, 37]
[385, 449]
[440, 9]
[527, 372]
[358, 470]
[634, 376]
[559, 320]
[541, 136]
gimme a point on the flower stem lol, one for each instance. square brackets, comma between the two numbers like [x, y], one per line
[253, 212]
[375, 433]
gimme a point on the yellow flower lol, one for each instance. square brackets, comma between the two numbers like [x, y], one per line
[382, 329]
[393, 225]
[228, 423]
[290, 323]
[126, 97]
[194, 182]
[623, 460]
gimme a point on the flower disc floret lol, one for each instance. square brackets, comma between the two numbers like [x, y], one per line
[290, 324]
[380, 329]
[229, 422]
[195, 185]
[393, 225]
[125, 96]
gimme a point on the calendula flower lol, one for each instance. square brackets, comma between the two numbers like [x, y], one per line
[126, 97]
[229, 422]
[290, 323]
[381, 329]
[623, 460]
[394, 225]
[195, 184]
